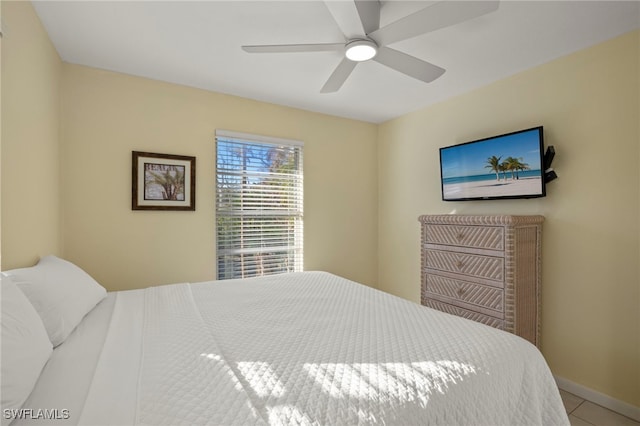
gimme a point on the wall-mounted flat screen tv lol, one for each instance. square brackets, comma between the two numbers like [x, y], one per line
[504, 166]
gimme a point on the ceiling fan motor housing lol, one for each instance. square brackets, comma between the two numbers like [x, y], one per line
[359, 50]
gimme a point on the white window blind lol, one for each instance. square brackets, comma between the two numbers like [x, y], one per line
[259, 205]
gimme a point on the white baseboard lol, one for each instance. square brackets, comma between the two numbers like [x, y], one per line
[601, 399]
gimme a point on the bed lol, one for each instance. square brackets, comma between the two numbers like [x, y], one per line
[300, 348]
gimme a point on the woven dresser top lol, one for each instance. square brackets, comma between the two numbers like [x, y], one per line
[460, 219]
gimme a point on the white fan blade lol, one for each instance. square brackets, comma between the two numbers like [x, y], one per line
[339, 76]
[369, 12]
[346, 16]
[289, 48]
[409, 65]
[431, 18]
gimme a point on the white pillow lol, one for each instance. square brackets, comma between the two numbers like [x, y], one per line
[61, 293]
[25, 346]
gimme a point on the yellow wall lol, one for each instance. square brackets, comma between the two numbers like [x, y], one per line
[30, 148]
[106, 115]
[588, 104]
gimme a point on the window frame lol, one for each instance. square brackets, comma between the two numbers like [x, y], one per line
[285, 223]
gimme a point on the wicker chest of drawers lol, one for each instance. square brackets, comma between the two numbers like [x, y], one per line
[484, 268]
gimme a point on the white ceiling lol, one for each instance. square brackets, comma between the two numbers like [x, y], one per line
[198, 44]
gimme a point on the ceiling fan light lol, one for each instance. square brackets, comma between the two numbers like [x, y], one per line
[361, 50]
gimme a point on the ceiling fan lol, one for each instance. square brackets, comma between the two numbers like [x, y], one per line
[365, 40]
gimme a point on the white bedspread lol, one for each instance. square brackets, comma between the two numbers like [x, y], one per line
[309, 348]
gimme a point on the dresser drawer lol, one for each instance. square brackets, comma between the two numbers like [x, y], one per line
[464, 313]
[485, 267]
[482, 237]
[465, 294]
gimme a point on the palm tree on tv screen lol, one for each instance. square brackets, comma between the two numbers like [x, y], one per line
[514, 165]
[494, 165]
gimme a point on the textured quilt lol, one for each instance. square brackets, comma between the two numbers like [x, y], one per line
[313, 348]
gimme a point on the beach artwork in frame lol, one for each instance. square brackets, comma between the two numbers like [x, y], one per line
[163, 181]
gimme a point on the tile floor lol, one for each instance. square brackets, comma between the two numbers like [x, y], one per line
[585, 413]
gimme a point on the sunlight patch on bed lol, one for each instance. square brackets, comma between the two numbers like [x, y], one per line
[220, 363]
[288, 414]
[262, 379]
[391, 382]
[213, 357]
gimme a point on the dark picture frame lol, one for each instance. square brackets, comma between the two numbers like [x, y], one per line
[162, 181]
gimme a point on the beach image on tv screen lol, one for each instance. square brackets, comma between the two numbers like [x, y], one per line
[505, 166]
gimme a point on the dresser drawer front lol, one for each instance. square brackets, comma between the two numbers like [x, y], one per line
[487, 267]
[464, 313]
[483, 237]
[491, 298]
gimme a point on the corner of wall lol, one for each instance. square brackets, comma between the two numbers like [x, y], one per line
[31, 69]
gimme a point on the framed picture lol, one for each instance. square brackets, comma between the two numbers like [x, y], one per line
[163, 182]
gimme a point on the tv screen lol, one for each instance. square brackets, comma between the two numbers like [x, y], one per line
[504, 166]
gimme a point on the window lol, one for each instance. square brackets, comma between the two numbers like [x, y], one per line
[258, 205]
